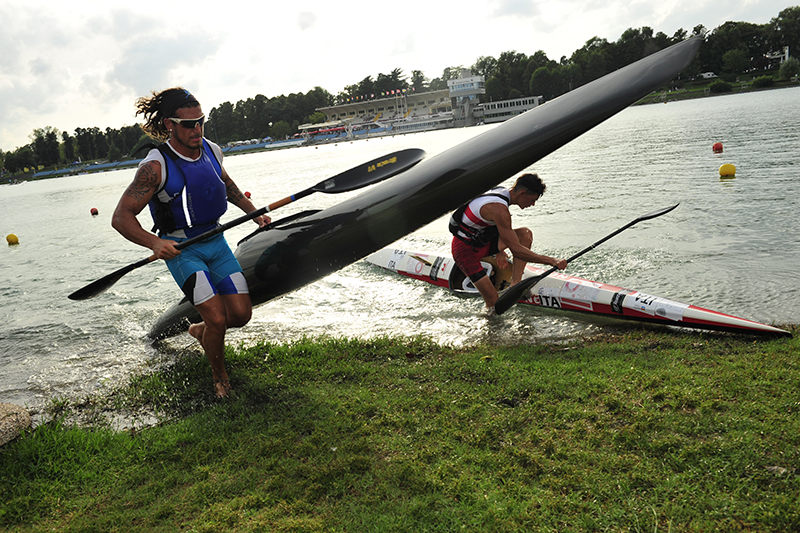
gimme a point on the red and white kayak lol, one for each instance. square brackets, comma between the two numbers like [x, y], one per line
[570, 293]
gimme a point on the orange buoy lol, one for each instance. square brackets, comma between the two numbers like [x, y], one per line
[12, 239]
[727, 170]
[247, 194]
[94, 211]
[717, 148]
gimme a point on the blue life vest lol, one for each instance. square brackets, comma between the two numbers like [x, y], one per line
[193, 205]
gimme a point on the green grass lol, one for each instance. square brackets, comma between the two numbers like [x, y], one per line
[644, 431]
[688, 90]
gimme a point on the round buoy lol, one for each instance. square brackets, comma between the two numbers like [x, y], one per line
[717, 147]
[247, 194]
[94, 211]
[727, 170]
[12, 239]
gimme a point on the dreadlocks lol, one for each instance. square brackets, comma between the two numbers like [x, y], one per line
[162, 105]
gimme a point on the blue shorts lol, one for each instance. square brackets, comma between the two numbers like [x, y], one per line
[207, 268]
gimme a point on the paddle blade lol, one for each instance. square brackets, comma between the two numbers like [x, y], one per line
[658, 213]
[515, 293]
[103, 284]
[371, 172]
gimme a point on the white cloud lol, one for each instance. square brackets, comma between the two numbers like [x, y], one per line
[306, 20]
[515, 8]
[84, 62]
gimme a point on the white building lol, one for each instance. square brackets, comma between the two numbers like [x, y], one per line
[506, 109]
[465, 97]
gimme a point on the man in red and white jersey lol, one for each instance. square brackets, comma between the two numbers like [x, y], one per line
[482, 228]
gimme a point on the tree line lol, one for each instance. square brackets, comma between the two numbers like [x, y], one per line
[731, 49]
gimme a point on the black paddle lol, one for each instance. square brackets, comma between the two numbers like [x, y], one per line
[515, 292]
[357, 177]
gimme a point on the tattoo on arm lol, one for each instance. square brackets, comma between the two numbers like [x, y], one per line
[145, 182]
[234, 194]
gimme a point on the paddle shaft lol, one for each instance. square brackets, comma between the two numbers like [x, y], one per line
[513, 294]
[239, 220]
[355, 178]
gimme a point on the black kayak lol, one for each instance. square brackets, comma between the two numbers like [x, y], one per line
[309, 246]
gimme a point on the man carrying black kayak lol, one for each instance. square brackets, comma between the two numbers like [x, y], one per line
[482, 228]
[187, 188]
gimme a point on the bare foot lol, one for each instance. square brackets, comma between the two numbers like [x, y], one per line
[196, 331]
[222, 388]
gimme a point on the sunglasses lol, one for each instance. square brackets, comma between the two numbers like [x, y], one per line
[189, 123]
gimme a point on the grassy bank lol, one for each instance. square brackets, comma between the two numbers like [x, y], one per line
[642, 431]
[688, 90]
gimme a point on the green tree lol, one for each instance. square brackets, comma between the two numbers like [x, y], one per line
[68, 147]
[137, 151]
[419, 82]
[365, 88]
[350, 91]
[85, 142]
[539, 59]
[10, 162]
[510, 73]
[789, 68]
[449, 73]
[100, 142]
[281, 130]
[114, 153]
[547, 82]
[20, 159]
[484, 66]
[385, 83]
[630, 47]
[572, 76]
[221, 124]
[130, 137]
[317, 118]
[45, 145]
[784, 30]
[318, 97]
[592, 58]
[736, 61]
[114, 143]
[763, 81]
[720, 86]
[752, 38]
[494, 90]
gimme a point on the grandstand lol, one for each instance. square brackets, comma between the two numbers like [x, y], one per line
[399, 113]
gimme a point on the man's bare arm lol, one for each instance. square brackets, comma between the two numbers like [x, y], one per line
[134, 199]
[499, 214]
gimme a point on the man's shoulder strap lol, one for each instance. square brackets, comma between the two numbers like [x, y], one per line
[161, 147]
[500, 195]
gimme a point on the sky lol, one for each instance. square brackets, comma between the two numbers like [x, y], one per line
[83, 63]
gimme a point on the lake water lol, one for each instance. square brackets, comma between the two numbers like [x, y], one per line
[733, 245]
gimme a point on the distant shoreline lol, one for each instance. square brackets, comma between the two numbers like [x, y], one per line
[695, 91]
[702, 91]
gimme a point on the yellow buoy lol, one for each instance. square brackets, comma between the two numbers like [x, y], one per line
[12, 239]
[727, 170]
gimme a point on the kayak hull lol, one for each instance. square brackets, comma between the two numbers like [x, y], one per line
[564, 292]
[291, 256]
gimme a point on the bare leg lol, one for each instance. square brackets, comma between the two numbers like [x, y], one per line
[218, 314]
[487, 290]
[525, 237]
